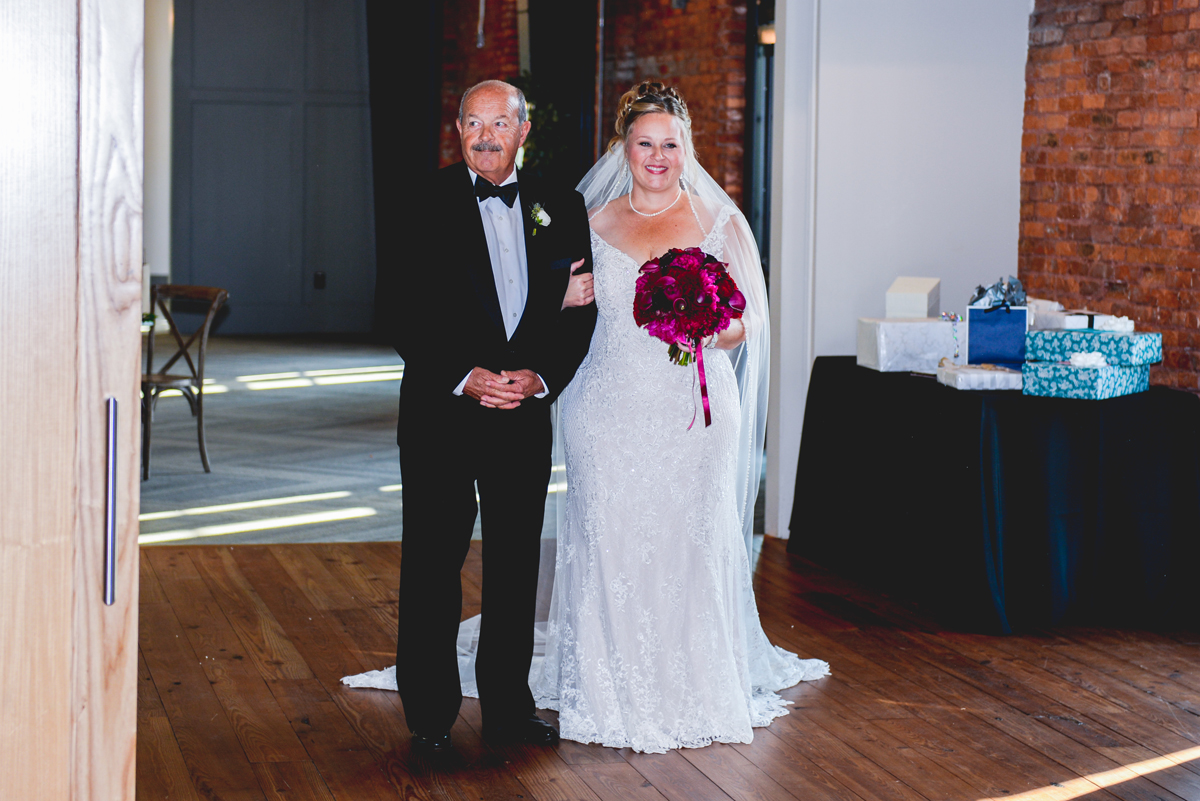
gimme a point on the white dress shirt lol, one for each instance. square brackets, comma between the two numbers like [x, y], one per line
[505, 233]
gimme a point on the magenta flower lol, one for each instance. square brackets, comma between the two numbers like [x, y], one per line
[685, 296]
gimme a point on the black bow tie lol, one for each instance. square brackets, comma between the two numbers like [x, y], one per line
[485, 189]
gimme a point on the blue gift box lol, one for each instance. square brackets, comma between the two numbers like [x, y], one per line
[1052, 380]
[1119, 347]
[996, 335]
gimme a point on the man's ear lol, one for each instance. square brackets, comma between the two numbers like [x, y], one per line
[525, 128]
[458, 125]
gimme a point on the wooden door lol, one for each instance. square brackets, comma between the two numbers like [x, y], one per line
[70, 297]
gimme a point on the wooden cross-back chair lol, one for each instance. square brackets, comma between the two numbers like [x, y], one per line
[189, 384]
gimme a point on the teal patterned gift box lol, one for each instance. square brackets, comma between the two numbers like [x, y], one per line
[1090, 383]
[1118, 347]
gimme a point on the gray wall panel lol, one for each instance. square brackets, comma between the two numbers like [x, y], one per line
[335, 45]
[338, 218]
[242, 191]
[246, 44]
[272, 162]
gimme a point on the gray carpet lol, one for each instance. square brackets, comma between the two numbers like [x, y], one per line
[302, 442]
[272, 442]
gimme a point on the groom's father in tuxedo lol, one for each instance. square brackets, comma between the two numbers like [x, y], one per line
[487, 347]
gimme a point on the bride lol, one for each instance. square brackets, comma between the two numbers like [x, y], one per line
[653, 640]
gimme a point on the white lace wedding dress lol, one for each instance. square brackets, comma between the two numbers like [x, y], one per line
[654, 640]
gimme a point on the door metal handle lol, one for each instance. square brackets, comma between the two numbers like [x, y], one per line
[110, 516]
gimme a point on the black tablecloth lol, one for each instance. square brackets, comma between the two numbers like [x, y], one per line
[1001, 511]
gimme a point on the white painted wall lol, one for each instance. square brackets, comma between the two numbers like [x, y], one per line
[911, 114]
[793, 135]
[156, 179]
[918, 166]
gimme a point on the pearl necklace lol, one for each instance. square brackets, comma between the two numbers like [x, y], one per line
[660, 211]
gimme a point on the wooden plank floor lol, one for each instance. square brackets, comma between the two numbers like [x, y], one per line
[242, 649]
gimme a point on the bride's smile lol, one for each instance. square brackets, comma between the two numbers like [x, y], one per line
[656, 156]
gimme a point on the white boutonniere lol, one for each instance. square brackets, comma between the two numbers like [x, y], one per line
[539, 217]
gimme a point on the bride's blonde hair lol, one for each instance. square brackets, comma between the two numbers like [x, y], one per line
[651, 97]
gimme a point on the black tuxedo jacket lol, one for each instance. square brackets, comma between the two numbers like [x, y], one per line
[447, 317]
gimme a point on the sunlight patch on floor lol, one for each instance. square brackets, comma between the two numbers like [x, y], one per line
[237, 507]
[256, 525]
[287, 383]
[357, 379]
[210, 388]
[1076, 788]
[558, 486]
[310, 378]
[384, 368]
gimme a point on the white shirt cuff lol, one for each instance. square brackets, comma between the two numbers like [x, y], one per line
[459, 389]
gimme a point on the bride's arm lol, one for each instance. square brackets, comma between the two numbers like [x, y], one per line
[731, 337]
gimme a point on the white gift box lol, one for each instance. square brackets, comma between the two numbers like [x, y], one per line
[913, 297]
[973, 377]
[904, 345]
[1039, 305]
[1072, 320]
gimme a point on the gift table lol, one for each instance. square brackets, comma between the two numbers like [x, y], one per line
[1000, 511]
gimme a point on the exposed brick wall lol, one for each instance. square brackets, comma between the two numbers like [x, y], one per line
[701, 51]
[464, 65]
[1110, 181]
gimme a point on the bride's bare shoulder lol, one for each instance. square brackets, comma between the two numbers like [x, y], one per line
[707, 209]
[707, 205]
[602, 218]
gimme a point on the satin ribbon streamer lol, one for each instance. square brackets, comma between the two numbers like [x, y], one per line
[698, 346]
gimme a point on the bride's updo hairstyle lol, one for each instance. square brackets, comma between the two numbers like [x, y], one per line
[651, 97]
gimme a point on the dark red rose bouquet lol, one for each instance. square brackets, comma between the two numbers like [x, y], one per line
[682, 297]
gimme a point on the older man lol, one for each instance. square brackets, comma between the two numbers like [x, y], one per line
[486, 348]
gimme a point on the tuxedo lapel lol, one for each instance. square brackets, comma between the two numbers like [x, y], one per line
[477, 261]
[528, 198]
[534, 265]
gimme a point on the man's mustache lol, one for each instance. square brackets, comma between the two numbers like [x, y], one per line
[491, 147]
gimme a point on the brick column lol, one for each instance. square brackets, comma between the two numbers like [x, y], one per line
[1110, 184]
[701, 51]
[464, 64]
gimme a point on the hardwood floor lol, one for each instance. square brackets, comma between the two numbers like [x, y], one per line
[242, 649]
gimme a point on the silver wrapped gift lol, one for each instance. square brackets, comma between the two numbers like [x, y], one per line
[906, 345]
[979, 378]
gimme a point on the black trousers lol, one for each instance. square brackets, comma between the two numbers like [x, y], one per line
[507, 455]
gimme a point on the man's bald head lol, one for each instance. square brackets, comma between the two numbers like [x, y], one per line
[496, 86]
[492, 125]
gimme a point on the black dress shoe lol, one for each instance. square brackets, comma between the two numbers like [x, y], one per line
[528, 731]
[431, 744]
